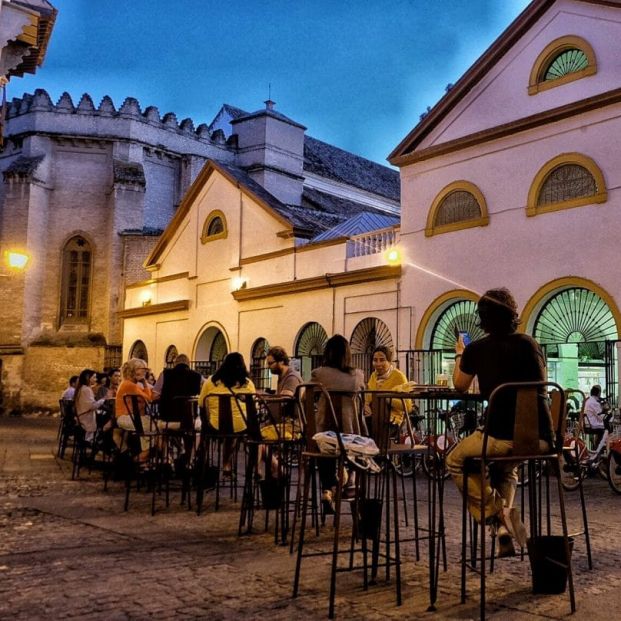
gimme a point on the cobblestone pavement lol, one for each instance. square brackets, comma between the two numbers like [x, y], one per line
[67, 550]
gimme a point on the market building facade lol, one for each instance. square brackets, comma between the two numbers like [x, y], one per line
[513, 179]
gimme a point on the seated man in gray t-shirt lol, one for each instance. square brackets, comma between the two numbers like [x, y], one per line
[288, 379]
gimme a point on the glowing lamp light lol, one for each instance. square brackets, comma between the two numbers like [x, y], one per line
[17, 260]
[239, 282]
[393, 256]
[145, 298]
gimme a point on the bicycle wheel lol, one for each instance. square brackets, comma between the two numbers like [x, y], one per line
[433, 466]
[404, 465]
[614, 472]
[572, 472]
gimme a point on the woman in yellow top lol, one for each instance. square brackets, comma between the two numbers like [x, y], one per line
[231, 378]
[387, 377]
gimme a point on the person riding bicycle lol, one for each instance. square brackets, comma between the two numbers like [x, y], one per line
[595, 410]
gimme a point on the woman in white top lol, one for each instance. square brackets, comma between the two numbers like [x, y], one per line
[86, 405]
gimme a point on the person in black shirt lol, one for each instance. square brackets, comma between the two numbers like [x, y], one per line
[180, 381]
[503, 355]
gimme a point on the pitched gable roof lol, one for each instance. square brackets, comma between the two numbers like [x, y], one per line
[523, 22]
[238, 178]
[361, 223]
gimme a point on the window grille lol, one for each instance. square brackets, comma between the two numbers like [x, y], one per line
[259, 372]
[565, 183]
[576, 316]
[460, 315]
[458, 206]
[568, 61]
[139, 350]
[76, 281]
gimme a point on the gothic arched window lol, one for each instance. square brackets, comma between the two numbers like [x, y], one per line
[77, 266]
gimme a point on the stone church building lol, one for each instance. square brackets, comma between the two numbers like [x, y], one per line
[87, 191]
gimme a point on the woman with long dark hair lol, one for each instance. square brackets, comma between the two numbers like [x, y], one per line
[336, 373]
[86, 405]
[231, 378]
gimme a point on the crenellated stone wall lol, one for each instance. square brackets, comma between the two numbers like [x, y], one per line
[113, 176]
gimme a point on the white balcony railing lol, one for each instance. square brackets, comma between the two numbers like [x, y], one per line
[372, 243]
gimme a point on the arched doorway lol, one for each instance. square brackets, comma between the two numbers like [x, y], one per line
[309, 348]
[366, 336]
[258, 369]
[139, 350]
[170, 356]
[211, 348]
[578, 332]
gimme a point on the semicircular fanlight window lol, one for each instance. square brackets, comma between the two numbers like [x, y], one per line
[459, 315]
[576, 316]
[311, 341]
[260, 348]
[368, 334]
[171, 354]
[568, 61]
[218, 348]
[458, 206]
[259, 370]
[139, 350]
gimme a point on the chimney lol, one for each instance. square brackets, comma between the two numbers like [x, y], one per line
[271, 151]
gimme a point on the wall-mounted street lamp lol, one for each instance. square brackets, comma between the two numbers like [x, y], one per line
[239, 282]
[393, 256]
[16, 260]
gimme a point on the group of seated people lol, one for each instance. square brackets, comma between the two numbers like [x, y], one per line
[502, 355]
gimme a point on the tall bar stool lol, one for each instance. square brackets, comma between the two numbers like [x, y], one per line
[272, 439]
[309, 456]
[136, 440]
[573, 469]
[528, 396]
[178, 431]
[211, 447]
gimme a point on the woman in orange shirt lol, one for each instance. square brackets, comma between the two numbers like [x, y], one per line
[134, 383]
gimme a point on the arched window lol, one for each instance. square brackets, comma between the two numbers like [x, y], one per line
[258, 369]
[77, 263]
[569, 180]
[576, 316]
[214, 227]
[309, 347]
[562, 61]
[139, 350]
[460, 205]
[367, 335]
[171, 355]
[461, 316]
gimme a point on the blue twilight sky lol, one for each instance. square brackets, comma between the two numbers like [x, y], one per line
[357, 73]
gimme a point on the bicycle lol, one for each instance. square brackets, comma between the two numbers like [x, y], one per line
[433, 445]
[579, 462]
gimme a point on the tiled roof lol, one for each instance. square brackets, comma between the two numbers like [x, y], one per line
[315, 199]
[329, 161]
[326, 160]
[360, 223]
